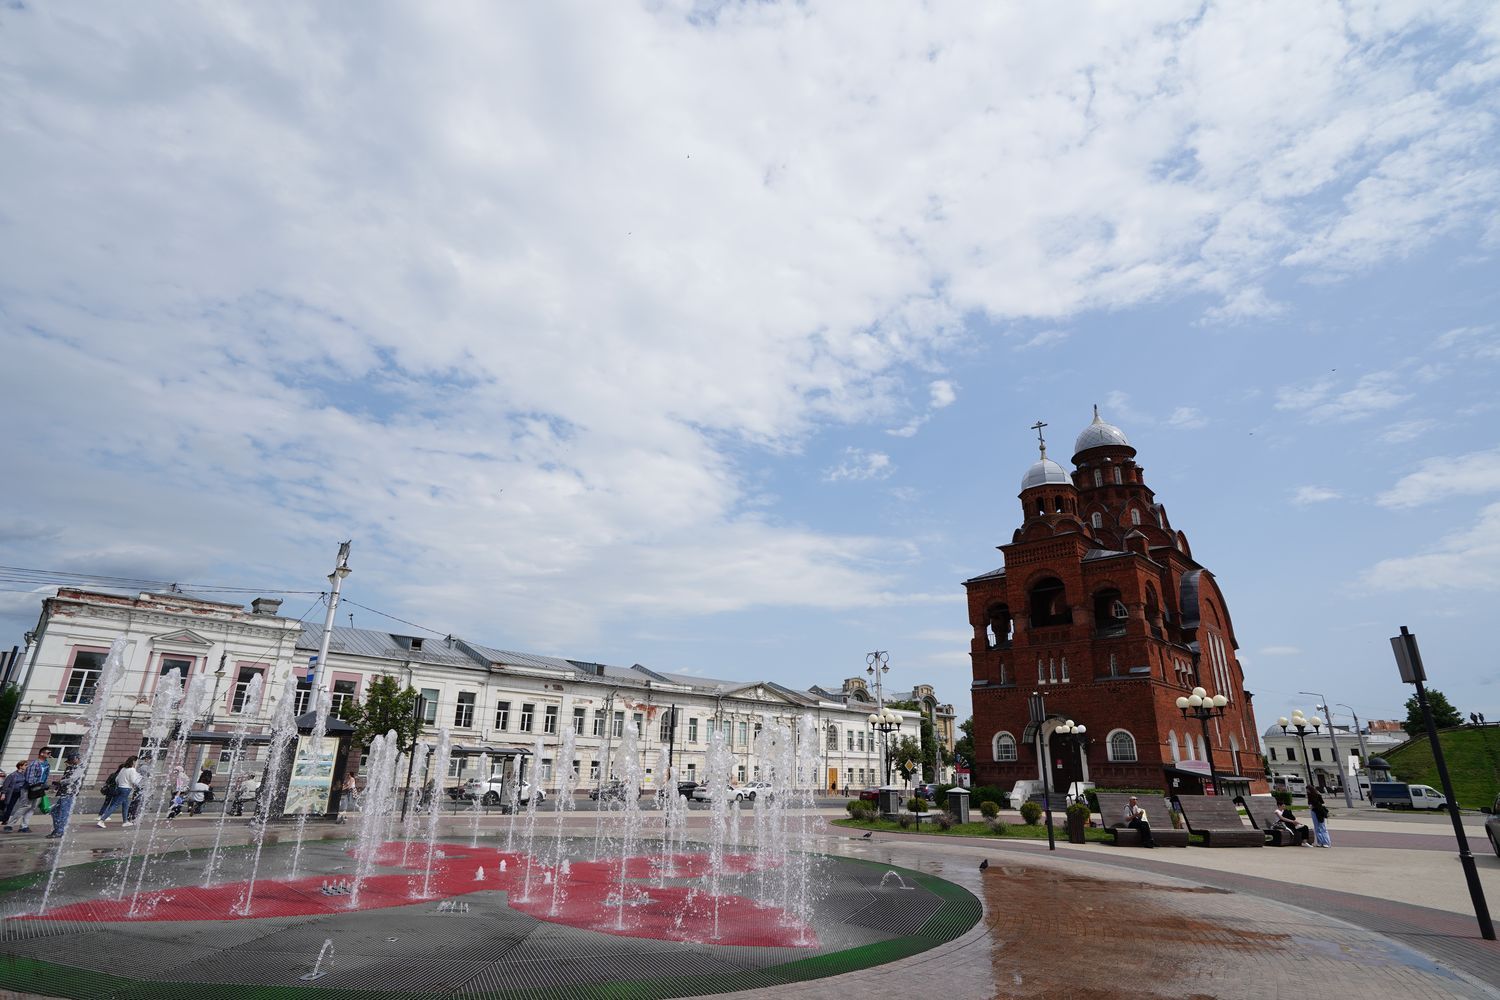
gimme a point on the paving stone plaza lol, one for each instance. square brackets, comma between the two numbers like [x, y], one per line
[1382, 915]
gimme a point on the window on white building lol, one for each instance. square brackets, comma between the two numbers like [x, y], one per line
[579, 715]
[549, 720]
[502, 715]
[303, 701]
[82, 677]
[598, 729]
[639, 720]
[528, 712]
[176, 665]
[463, 711]
[430, 705]
[242, 688]
[833, 737]
[342, 691]
[692, 736]
[619, 726]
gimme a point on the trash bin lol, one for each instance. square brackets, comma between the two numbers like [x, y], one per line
[958, 804]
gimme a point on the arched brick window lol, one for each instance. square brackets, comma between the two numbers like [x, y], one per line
[1121, 746]
[1003, 746]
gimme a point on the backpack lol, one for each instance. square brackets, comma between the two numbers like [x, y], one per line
[109, 783]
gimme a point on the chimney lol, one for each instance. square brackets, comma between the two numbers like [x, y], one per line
[265, 605]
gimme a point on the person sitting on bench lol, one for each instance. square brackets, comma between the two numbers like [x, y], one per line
[1136, 819]
[1300, 833]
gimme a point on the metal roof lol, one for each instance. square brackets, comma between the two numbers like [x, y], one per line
[509, 657]
[987, 576]
[384, 645]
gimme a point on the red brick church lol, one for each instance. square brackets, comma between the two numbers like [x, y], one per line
[1101, 608]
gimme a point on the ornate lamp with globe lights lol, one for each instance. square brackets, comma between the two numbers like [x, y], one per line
[1202, 706]
[1302, 724]
[885, 722]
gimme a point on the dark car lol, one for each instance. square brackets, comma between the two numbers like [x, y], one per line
[869, 795]
[614, 791]
[1492, 825]
[685, 788]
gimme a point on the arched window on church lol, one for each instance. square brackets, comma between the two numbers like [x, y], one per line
[1119, 476]
[1098, 477]
[1121, 746]
[1096, 519]
[1172, 746]
[1004, 747]
[1049, 604]
[1135, 516]
[1058, 504]
[1000, 625]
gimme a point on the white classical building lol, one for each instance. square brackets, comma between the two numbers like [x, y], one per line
[1284, 752]
[487, 697]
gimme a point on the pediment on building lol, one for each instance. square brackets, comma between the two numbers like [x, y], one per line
[761, 691]
[181, 637]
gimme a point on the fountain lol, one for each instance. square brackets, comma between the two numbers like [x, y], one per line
[164, 703]
[317, 969]
[534, 776]
[413, 802]
[323, 702]
[380, 796]
[236, 753]
[566, 783]
[283, 735]
[720, 763]
[159, 786]
[433, 788]
[484, 789]
[104, 689]
[630, 828]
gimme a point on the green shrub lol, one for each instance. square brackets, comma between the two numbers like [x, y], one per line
[861, 810]
[940, 793]
[1282, 798]
[997, 826]
[1079, 810]
[917, 805]
[989, 809]
[944, 821]
[988, 793]
[1031, 812]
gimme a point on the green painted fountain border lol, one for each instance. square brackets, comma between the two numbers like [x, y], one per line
[958, 911]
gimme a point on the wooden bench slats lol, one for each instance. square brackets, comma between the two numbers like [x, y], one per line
[1219, 822]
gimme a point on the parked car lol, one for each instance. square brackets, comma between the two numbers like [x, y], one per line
[491, 791]
[612, 791]
[685, 788]
[869, 795]
[703, 793]
[757, 789]
[1492, 826]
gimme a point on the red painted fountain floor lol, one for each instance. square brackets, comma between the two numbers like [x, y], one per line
[587, 896]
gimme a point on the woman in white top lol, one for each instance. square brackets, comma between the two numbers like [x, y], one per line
[126, 780]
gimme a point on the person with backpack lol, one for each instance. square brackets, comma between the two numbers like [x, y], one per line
[38, 772]
[121, 787]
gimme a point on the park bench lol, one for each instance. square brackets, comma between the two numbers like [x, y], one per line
[1059, 801]
[1158, 814]
[1218, 820]
[1264, 816]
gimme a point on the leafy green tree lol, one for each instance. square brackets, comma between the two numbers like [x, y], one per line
[8, 699]
[904, 751]
[386, 707]
[963, 747]
[931, 755]
[1443, 713]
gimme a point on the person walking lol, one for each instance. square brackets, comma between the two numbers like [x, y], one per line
[181, 787]
[1319, 810]
[350, 792]
[67, 794]
[11, 791]
[38, 772]
[126, 780]
[206, 779]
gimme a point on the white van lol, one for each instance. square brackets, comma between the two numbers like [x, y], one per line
[1289, 783]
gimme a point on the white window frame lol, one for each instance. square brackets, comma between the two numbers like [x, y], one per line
[1113, 755]
[1014, 752]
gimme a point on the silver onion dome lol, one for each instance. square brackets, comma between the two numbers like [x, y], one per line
[1043, 473]
[1098, 434]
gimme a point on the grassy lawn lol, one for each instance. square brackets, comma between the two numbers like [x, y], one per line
[1018, 830]
[1475, 771]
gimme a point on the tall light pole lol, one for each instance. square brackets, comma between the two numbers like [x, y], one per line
[1333, 735]
[1300, 723]
[878, 665]
[1203, 706]
[885, 722]
[1364, 757]
[337, 579]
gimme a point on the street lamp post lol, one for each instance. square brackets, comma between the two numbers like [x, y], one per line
[878, 665]
[1333, 735]
[1301, 724]
[1201, 706]
[1076, 736]
[885, 722]
[1364, 757]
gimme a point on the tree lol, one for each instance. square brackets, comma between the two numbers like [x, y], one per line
[386, 707]
[906, 750]
[963, 747]
[1443, 713]
[931, 755]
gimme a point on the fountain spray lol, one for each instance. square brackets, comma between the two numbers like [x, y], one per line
[435, 803]
[236, 752]
[283, 735]
[568, 780]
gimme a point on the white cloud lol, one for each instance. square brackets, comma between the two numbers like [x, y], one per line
[1242, 305]
[1305, 495]
[1468, 559]
[859, 464]
[1280, 651]
[1442, 478]
[515, 296]
[944, 393]
[1407, 430]
[1477, 343]
[1047, 338]
[1186, 418]
[1369, 395]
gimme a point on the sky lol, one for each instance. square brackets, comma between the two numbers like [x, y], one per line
[708, 335]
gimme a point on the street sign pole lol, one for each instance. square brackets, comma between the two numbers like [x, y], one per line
[1038, 715]
[1409, 660]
